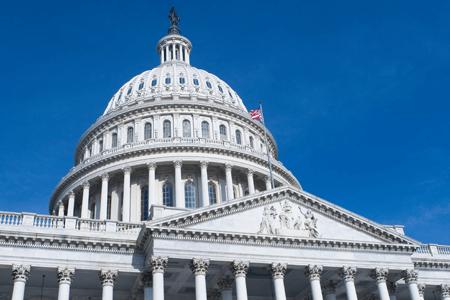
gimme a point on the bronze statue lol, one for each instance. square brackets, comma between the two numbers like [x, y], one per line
[173, 17]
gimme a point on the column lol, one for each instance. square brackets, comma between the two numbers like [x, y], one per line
[151, 184]
[187, 57]
[229, 181]
[277, 271]
[104, 198]
[199, 267]
[329, 290]
[71, 204]
[184, 53]
[65, 277]
[158, 265]
[162, 55]
[85, 202]
[348, 274]
[204, 171]
[268, 182]
[108, 278]
[126, 194]
[225, 285]
[421, 287]
[410, 277]
[251, 186]
[147, 284]
[239, 269]
[167, 52]
[380, 275]
[314, 272]
[179, 191]
[20, 275]
[392, 288]
[60, 209]
[444, 291]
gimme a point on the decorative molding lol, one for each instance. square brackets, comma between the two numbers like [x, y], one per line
[249, 172]
[65, 275]
[421, 287]
[277, 270]
[379, 274]
[127, 170]
[347, 273]
[86, 185]
[108, 277]
[199, 266]
[228, 167]
[392, 287]
[158, 264]
[313, 272]
[152, 165]
[20, 272]
[178, 163]
[329, 287]
[105, 176]
[71, 194]
[239, 268]
[410, 276]
[225, 283]
[443, 290]
[204, 164]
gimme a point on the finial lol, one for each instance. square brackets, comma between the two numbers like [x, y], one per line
[173, 17]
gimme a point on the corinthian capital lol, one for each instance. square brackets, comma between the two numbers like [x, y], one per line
[71, 194]
[225, 283]
[329, 287]
[277, 270]
[127, 170]
[250, 172]
[204, 164]
[108, 277]
[105, 176]
[151, 165]
[158, 264]
[20, 272]
[228, 167]
[444, 290]
[313, 272]
[178, 163]
[379, 274]
[199, 266]
[239, 268]
[86, 185]
[146, 279]
[65, 275]
[421, 287]
[410, 275]
[347, 273]
[392, 288]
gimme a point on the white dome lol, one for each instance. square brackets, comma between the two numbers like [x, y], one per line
[174, 78]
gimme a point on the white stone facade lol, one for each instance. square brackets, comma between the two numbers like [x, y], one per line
[170, 198]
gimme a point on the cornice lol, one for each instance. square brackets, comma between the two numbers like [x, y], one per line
[435, 265]
[285, 193]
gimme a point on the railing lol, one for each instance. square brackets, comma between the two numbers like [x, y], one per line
[444, 250]
[423, 249]
[71, 223]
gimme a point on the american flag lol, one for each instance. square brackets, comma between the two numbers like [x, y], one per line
[256, 115]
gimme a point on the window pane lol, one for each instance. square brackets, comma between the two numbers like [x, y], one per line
[167, 195]
[205, 129]
[114, 140]
[154, 82]
[238, 137]
[130, 135]
[168, 80]
[208, 84]
[231, 96]
[144, 203]
[141, 85]
[186, 128]
[220, 88]
[195, 81]
[181, 80]
[129, 91]
[212, 193]
[189, 195]
[251, 142]
[100, 146]
[223, 133]
[167, 132]
[148, 131]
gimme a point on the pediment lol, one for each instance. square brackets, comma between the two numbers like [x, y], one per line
[284, 212]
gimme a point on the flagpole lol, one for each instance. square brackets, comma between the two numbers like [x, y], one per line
[267, 145]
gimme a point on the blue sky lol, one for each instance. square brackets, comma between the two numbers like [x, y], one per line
[356, 93]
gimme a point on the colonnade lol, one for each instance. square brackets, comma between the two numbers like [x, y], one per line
[179, 190]
[152, 281]
[170, 50]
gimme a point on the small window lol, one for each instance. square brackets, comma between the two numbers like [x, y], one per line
[205, 129]
[208, 84]
[220, 88]
[144, 203]
[167, 130]
[186, 128]
[189, 195]
[114, 140]
[100, 146]
[231, 96]
[130, 135]
[120, 95]
[181, 80]
[147, 131]
[167, 194]
[223, 133]
[154, 82]
[251, 141]
[195, 81]
[129, 90]
[168, 80]
[90, 151]
[212, 193]
[142, 85]
[238, 137]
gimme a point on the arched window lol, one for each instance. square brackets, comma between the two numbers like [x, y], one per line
[141, 85]
[130, 135]
[154, 82]
[100, 146]
[148, 131]
[129, 90]
[220, 88]
[114, 140]
[195, 81]
[189, 195]
[93, 207]
[205, 129]
[182, 81]
[251, 141]
[231, 96]
[167, 130]
[168, 80]
[223, 133]
[167, 194]
[144, 203]
[212, 193]
[186, 128]
[208, 84]
[238, 137]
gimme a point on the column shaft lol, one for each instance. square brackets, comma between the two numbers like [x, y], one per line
[350, 290]
[148, 293]
[383, 291]
[251, 186]
[107, 292]
[316, 290]
[280, 293]
[204, 171]
[229, 181]
[158, 286]
[268, 184]
[64, 291]
[200, 287]
[71, 204]
[85, 202]
[104, 197]
[18, 290]
[241, 288]
[179, 191]
[413, 291]
[126, 195]
[151, 185]
[227, 295]
[162, 55]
